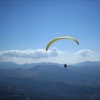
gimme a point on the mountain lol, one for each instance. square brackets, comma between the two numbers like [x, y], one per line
[10, 65]
[88, 63]
[52, 73]
[50, 82]
[48, 91]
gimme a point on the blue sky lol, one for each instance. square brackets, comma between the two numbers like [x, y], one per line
[31, 24]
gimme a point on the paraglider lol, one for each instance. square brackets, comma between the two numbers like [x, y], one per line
[60, 38]
[65, 65]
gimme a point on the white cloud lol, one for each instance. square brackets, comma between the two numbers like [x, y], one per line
[54, 55]
[7, 59]
[83, 53]
[34, 54]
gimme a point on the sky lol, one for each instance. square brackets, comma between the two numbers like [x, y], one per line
[27, 26]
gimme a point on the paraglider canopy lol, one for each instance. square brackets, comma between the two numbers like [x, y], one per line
[59, 38]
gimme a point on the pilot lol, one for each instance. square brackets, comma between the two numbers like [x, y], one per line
[65, 65]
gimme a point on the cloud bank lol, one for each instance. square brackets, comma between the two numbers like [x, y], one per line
[83, 53]
[40, 55]
[34, 54]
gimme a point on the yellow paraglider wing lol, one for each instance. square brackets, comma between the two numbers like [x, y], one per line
[59, 38]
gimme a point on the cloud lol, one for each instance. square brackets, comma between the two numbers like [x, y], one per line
[34, 54]
[83, 53]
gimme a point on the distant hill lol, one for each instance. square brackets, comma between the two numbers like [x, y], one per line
[45, 81]
[88, 63]
[88, 75]
[10, 65]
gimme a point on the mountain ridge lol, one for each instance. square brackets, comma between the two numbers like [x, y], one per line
[7, 65]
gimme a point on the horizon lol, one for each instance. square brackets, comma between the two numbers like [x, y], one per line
[28, 26]
[52, 63]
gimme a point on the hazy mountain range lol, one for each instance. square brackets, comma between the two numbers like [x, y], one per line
[9, 65]
[46, 81]
[86, 73]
